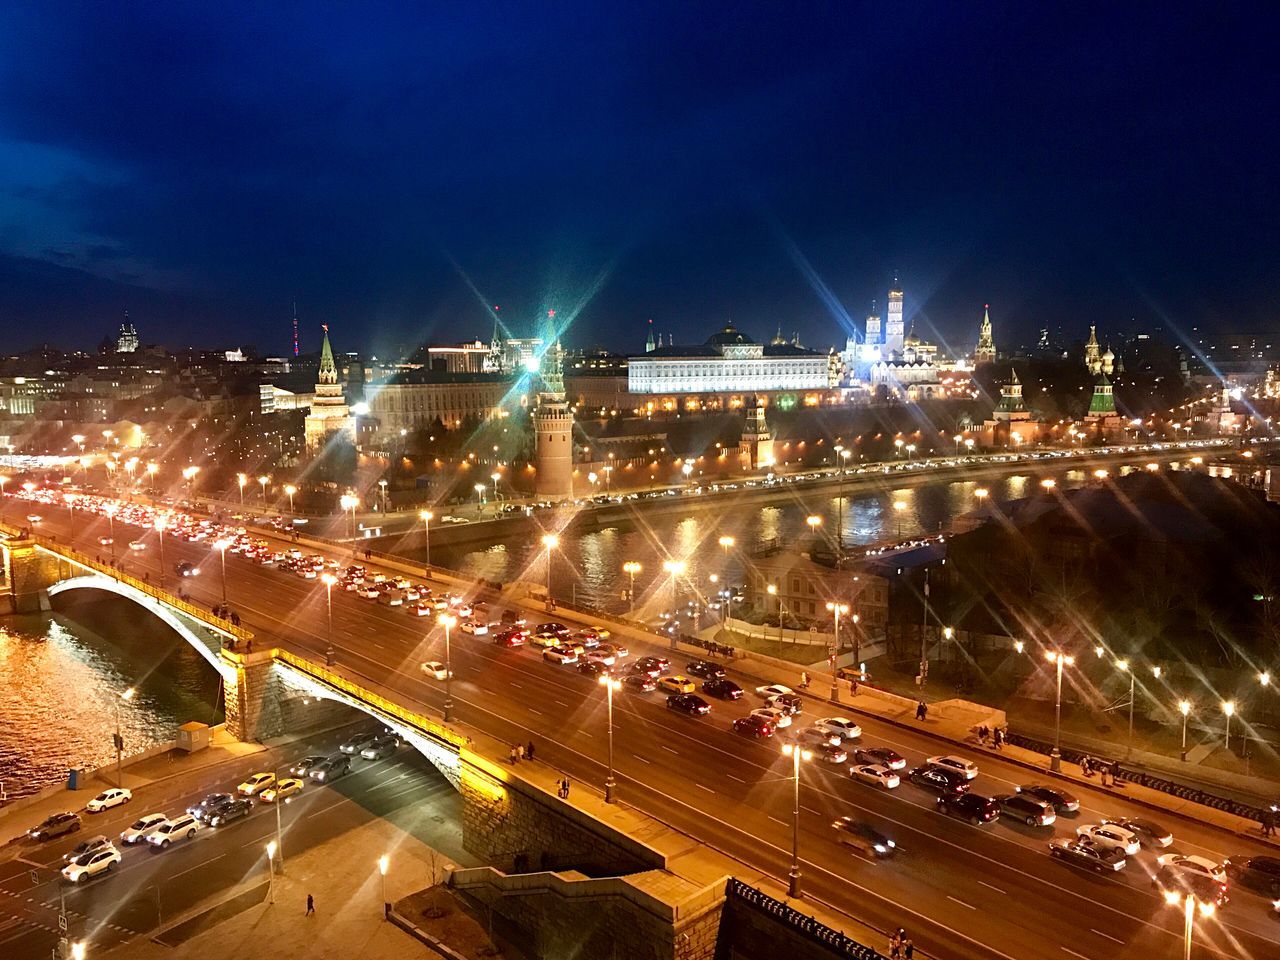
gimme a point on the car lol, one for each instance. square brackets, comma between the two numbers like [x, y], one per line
[304, 766]
[436, 669]
[689, 703]
[182, 827]
[972, 807]
[640, 682]
[864, 837]
[937, 779]
[1060, 800]
[369, 593]
[789, 702]
[381, 747]
[90, 865]
[588, 638]
[593, 668]
[138, 830]
[105, 541]
[654, 666]
[753, 727]
[1109, 835]
[704, 669]
[1257, 873]
[137, 545]
[677, 683]
[86, 846]
[882, 756]
[420, 609]
[202, 809]
[1149, 832]
[546, 640]
[391, 599]
[254, 785]
[231, 810]
[185, 568]
[107, 799]
[813, 738]
[772, 690]
[1021, 806]
[840, 726]
[511, 638]
[1086, 853]
[401, 583]
[778, 718]
[330, 769]
[559, 629]
[1170, 880]
[34, 518]
[602, 657]
[617, 649]
[722, 689]
[875, 774]
[357, 743]
[967, 768]
[603, 633]
[475, 628]
[283, 790]
[829, 753]
[565, 656]
[307, 573]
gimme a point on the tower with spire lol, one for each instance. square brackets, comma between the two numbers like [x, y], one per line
[985, 352]
[1092, 352]
[329, 418]
[295, 328]
[649, 345]
[894, 332]
[127, 340]
[553, 423]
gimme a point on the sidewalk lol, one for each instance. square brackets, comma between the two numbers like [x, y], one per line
[20, 816]
[341, 874]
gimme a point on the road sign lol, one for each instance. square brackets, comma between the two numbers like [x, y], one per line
[62, 922]
[35, 878]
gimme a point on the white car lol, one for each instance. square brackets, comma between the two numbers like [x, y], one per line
[369, 593]
[307, 573]
[960, 765]
[402, 583]
[844, 728]
[1193, 864]
[182, 827]
[91, 864]
[137, 545]
[1110, 837]
[813, 737]
[255, 784]
[561, 655]
[876, 774]
[434, 668]
[779, 718]
[472, 627]
[602, 656]
[138, 830]
[772, 690]
[108, 799]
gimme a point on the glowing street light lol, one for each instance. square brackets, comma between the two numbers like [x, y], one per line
[221, 547]
[550, 541]
[631, 568]
[675, 569]
[271, 871]
[610, 684]
[796, 753]
[1184, 707]
[837, 609]
[328, 579]
[1229, 708]
[1048, 483]
[152, 470]
[448, 621]
[1189, 903]
[384, 862]
[160, 523]
[349, 502]
[290, 490]
[982, 493]
[241, 479]
[426, 516]
[1060, 660]
[263, 481]
[898, 507]
[110, 510]
[480, 489]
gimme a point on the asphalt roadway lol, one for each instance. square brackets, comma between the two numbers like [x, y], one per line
[961, 891]
[151, 887]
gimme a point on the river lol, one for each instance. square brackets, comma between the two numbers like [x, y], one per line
[60, 684]
[588, 566]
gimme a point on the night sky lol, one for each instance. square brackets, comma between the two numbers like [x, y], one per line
[396, 168]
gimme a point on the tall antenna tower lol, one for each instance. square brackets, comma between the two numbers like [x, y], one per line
[295, 328]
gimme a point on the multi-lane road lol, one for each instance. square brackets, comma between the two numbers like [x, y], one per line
[151, 887]
[962, 891]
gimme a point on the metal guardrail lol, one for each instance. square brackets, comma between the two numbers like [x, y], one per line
[808, 927]
[380, 703]
[150, 589]
[1182, 791]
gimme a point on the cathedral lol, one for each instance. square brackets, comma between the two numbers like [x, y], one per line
[901, 361]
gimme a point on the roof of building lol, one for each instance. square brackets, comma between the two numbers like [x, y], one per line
[426, 375]
[726, 335]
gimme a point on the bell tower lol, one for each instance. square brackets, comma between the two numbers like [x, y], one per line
[554, 425]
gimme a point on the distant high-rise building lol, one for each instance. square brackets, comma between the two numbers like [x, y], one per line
[985, 352]
[295, 328]
[127, 340]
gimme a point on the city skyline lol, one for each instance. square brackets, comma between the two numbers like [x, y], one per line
[399, 174]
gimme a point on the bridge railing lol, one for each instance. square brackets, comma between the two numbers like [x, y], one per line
[144, 586]
[840, 944]
[380, 703]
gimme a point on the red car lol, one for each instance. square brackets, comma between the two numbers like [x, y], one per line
[755, 727]
[510, 638]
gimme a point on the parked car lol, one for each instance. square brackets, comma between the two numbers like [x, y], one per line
[967, 768]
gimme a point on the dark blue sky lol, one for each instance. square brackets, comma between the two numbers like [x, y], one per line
[202, 165]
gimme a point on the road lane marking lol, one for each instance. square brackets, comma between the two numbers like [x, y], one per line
[1074, 954]
[776, 820]
[962, 903]
[732, 777]
[561, 702]
[642, 759]
[669, 749]
[811, 810]
[990, 886]
[514, 684]
[1106, 935]
[701, 787]
[538, 712]
[585, 734]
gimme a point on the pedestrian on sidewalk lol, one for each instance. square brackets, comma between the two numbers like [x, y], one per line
[1102, 771]
[853, 686]
[311, 905]
[514, 757]
[982, 734]
[997, 738]
[908, 949]
[519, 751]
[1085, 771]
[922, 710]
[528, 751]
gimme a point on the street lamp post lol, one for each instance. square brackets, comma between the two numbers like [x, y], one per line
[1229, 708]
[447, 621]
[1184, 707]
[631, 568]
[125, 697]
[796, 753]
[382, 489]
[271, 872]
[480, 488]
[1060, 660]
[675, 569]
[110, 510]
[1189, 904]
[610, 684]
[160, 523]
[241, 480]
[262, 482]
[221, 546]
[550, 541]
[426, 516]
[348, 502]
[384, 862]
[837, 609]
[772, 590]
[1124, 666]
[495, 477]
[290, 490]
[898, 507]
[842, 458]
[328, 579]
[152, 469]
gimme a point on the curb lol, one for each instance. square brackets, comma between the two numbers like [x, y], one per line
[399, 920]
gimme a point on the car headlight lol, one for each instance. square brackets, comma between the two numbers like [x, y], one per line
[881, 848]
[892, 844]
